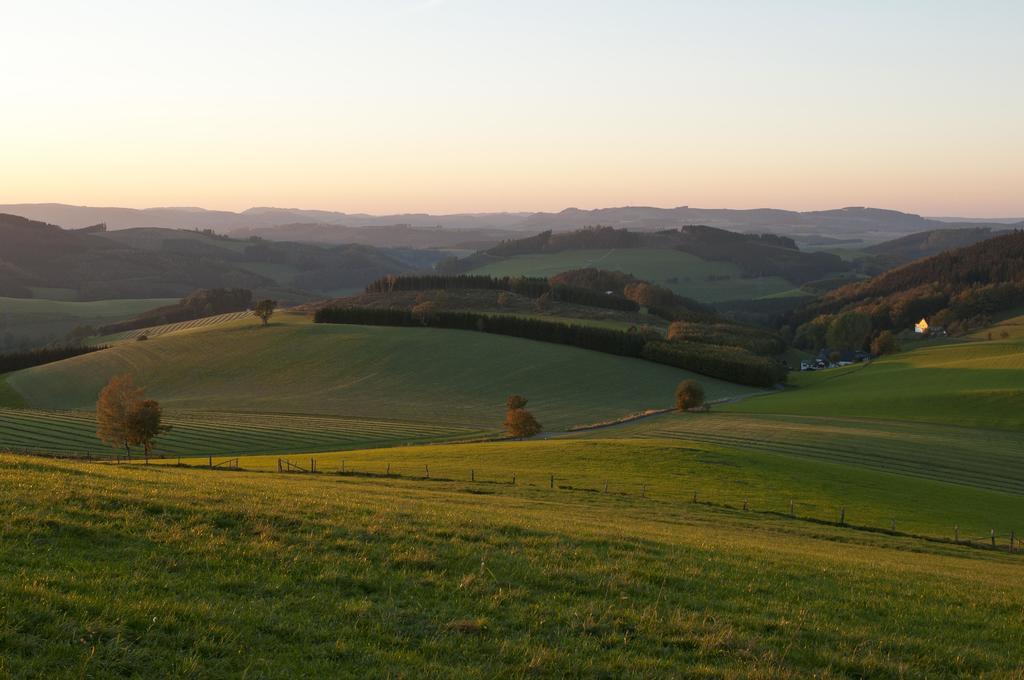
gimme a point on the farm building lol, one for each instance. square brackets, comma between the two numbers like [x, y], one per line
[921, 326]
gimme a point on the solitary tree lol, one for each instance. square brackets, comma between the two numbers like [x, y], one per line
[146, 424]
[519, 422]
[264, 309]
[689, 395]
[114, 412]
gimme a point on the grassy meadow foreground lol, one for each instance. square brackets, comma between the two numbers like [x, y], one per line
[135, 570]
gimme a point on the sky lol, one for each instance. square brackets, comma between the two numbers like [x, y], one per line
[389, 106]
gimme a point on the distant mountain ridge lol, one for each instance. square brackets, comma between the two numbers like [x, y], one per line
[872, 223]
[166, 263]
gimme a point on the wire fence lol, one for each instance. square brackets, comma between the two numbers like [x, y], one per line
[1008, 541]
[994, 540]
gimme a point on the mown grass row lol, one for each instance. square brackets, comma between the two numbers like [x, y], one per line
[156, 331]
[203, 433]
[988, 459]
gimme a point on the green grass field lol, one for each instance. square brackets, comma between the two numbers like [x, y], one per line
[161, 571]
[670, 469]
[988, 459]
[212, 433]
[427, 375]
[651, 264]
[40, 320]
[975, 384]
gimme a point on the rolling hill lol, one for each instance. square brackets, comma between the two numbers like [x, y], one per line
[29, 321]
[928, 243]
[962, 288]
[977, 384]
[146, 263]
[698, 262]
[424, 375]
[279, 223]
[681, 272]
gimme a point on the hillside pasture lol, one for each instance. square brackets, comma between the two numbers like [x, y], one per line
[685, 274]
[431, 375]
[986, 459]
[973, 384]
[39, 321]
[164, 571]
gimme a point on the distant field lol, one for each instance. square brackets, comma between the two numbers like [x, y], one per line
[428, 375]
[160, 571]
[652, 264]
[206, 433]
[166, 329]
[46, 320]
[987, 459]
[974, 384]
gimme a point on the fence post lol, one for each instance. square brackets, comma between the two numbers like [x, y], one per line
[894, 525]
[842, 516]
[993, 534]
[792, 509]
[1013, 536]
[278, 464]
[551, 484]
[606, 486]
[472, 475]
[426, 471]
[210, 462]
[513, 479]
[342, 467]
[745, 505]
[956, 534]
[389, 470]
[643, 491]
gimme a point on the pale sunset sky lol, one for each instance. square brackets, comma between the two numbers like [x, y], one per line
[388, 106]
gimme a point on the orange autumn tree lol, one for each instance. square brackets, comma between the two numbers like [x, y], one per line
[125, 418]
[519, 422]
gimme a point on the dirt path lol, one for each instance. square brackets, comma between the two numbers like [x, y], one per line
[643, 416]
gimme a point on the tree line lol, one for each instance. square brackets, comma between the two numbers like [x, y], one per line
[733, 364]
[16, 361]
[531, 287]
[195, 305]
[727, 363]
